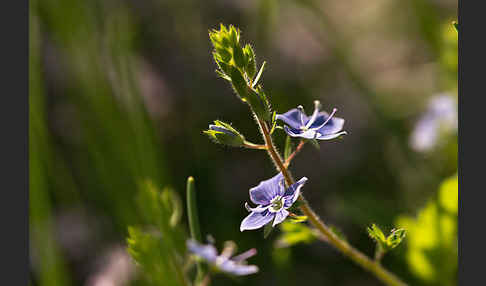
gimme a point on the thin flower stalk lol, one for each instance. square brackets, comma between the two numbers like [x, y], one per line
[296, 151]
[250, 145]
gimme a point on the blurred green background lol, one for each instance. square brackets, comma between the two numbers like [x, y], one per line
[120, 92]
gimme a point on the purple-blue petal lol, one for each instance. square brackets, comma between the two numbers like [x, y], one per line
[208, 252]
[293, 118]
[234, 268]
[293, 192]
[256, 220]
[280, 216]
[267, 190]
[332, 126]
[220, 129]
[331, 136]
[245, 255]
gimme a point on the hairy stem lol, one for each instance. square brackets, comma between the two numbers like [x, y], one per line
[326, 233]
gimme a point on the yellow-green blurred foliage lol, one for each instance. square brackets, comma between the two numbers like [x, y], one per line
[432, 240]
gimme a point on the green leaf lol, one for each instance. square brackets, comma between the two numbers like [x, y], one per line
[239, 83]
[239, 57]
[259, 104]
[387, 243]
[396, 237]
[223, 76]
[376, 234]
[294, 233]
[251, 61]
[173, 203]
[224, 67]
[288, 147]
[298, 218]
[233, 35]
[456, 25]
[224, 54]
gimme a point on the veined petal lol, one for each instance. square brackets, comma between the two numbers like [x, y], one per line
[331, 136]
[256, 220]
[332, 126]
[293, 192]
[293, 118]
[280, 216]
[267, 190]
[208, 252]
[293, 132]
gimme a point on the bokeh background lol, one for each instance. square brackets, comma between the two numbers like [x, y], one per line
[120, 91]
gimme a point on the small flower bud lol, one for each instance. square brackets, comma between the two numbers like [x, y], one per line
[223, 133]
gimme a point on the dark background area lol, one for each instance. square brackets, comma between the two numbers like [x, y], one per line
[120, 91]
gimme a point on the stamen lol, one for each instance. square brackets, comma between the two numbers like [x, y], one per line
[229, 249]
[317, 107]
[302, 112]
[245, 255]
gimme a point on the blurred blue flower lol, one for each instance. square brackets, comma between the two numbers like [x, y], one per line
[440, 116]
[320, 125]
[224, 262]
[273, 200]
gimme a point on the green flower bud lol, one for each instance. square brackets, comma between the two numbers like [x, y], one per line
[224, 133]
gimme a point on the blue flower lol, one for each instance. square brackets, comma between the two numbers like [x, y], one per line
[224, 262]
[273, 200]
[439, 119]
[320, 125]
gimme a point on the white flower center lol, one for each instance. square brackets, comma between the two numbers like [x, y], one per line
[276, 204]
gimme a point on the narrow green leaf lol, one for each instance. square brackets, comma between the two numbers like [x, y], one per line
[274, 122]
[288, 147]
[173, 204]
[376, 234]
[251, 59]
[298, 218]
[223, 76]
[192, 210]
[193, 218]
[258, 75]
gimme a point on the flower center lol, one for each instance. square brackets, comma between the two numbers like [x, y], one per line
[276, 204]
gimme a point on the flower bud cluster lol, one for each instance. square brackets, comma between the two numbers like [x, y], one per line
[237, 64]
